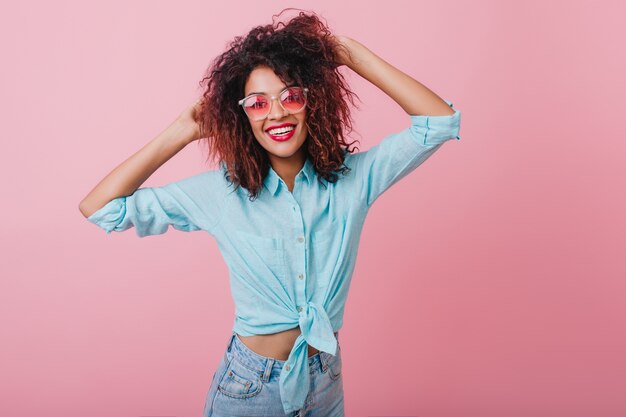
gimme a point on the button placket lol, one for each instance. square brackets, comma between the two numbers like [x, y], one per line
[300, 252]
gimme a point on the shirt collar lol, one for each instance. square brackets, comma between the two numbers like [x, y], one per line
[272, 180]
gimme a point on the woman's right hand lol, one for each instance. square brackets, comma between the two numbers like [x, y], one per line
[190, 117]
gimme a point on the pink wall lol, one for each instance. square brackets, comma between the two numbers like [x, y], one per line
[497, 290]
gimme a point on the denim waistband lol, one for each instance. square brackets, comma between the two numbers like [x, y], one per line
[265, 366]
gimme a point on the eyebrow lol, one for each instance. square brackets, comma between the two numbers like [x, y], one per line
[261, 92]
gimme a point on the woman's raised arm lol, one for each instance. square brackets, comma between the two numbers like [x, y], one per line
[414, 97]
[127, 177]
[433, 122]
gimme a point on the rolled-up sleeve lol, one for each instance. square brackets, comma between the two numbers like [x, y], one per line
[187, 205]
[398, 154]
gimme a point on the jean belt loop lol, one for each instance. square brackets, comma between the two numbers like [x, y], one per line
[230, 342]
[228, 348]
[323, 359]
[269, 364]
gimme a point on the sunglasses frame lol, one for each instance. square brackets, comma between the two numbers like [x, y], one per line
[271, 100]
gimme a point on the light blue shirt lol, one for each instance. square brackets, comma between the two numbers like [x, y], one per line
[290, 255]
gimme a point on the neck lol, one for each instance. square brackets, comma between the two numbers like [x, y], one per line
[287, 168]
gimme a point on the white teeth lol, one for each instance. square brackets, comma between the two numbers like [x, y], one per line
[281, 130]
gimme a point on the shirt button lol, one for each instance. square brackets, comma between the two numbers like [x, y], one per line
[301, 276]
[300, 239]
[287, 367]
[299, 308]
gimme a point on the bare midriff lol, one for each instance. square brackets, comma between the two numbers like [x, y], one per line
[274, 345]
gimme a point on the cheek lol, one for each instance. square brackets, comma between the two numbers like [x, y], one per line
[305, 129]
[303, 123]
[258, 131]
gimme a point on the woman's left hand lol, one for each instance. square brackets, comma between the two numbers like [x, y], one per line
[343, 50]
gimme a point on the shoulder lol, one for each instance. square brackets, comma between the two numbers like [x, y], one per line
[210, 182]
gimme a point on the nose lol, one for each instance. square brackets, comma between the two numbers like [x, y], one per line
[276, 110]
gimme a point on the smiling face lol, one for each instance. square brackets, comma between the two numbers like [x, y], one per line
[280, 150]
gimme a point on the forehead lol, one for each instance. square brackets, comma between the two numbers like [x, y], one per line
[263, 80]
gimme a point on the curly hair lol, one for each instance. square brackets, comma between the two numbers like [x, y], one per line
[302, 50]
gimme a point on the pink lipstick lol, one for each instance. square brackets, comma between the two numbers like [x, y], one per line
[282, 136]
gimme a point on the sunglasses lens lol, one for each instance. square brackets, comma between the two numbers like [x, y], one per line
[293, 99]
[256, 106]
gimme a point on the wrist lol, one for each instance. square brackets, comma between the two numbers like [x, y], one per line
[184, 131]
[181, 132]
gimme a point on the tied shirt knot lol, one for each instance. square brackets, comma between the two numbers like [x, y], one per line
[317, 331]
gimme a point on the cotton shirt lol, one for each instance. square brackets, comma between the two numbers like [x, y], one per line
[290, 255]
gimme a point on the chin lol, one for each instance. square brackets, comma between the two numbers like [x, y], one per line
[285, 152]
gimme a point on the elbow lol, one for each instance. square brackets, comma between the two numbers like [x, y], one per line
[85, 209]
[81, 208]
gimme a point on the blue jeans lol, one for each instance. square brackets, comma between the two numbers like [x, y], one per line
[246, 384]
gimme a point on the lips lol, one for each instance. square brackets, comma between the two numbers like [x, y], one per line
[282, 138]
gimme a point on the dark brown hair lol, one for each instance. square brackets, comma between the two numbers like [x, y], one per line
[304, 51]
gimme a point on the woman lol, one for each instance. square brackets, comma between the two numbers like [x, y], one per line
[287, 224]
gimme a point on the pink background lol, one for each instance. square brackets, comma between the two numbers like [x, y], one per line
[496, 289]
